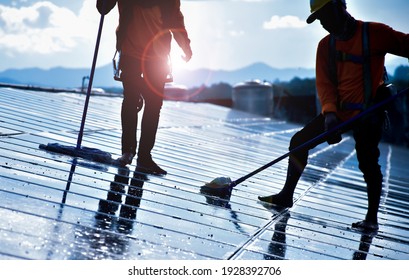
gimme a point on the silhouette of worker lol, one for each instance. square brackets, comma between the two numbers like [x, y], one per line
[349, 78]
[144, 35]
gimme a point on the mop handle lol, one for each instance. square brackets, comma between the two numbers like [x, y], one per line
[91, 78]
[322, 135]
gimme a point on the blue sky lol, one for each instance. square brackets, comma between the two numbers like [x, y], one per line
[225, 34]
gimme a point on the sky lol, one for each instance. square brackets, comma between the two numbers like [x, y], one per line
[225, 34]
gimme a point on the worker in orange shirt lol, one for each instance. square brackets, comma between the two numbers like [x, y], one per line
[349, 78]
[144, 35]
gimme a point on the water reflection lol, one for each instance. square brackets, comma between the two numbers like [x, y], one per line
[108, 207]
[222, 199]
[115, 217]
[364, 246]
[278, 246]
[57, 224]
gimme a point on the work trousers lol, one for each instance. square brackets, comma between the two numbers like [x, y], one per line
[367, 133]
[143, 83]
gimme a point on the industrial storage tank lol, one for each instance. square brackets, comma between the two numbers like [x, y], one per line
[254, 97]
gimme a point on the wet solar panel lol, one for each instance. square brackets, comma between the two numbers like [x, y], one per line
[53, 206]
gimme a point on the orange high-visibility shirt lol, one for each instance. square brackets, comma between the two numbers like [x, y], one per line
[382, 40]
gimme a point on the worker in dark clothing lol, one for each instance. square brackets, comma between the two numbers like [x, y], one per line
[144, 35]
[349, 78]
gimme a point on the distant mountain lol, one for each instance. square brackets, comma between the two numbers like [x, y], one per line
[257, 71]
[72, 78]
[54, 77]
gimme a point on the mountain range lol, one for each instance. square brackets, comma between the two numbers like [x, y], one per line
[72, 78]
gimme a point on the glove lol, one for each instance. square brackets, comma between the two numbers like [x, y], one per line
[105, 6]
[331, 121]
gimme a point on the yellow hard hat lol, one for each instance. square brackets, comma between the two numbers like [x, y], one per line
[316, 5]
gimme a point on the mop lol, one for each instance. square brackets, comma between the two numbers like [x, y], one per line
[223, 185]
[92, 154]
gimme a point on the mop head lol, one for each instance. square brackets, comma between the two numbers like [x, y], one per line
[220, 186]
[83, 152]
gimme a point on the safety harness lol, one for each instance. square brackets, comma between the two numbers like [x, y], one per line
[363, 59]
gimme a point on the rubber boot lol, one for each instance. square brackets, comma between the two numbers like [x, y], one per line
[285, 197]
[374, 190]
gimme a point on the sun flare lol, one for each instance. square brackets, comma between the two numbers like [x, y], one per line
[177, 62]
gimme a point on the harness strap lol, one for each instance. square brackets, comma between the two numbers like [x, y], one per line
[364, 59]
[367, 65]
[342, 56]
[346, 106]
[333, 61]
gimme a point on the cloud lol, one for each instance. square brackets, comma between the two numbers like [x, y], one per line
[42, 28]
[236, 33]
[277, 22]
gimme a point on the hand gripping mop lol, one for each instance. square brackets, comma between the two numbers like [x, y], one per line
[78, 151]
[223, 185]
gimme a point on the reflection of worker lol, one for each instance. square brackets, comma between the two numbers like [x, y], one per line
[143, 39]
[278, 247]
[364, 246]
[111, 204]
[341, 84]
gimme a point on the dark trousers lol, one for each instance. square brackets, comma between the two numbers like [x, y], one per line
[141, 80]
[367, 133]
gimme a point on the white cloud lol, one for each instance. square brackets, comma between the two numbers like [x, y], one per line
[44, 28]
[236, 33]
[277, 22]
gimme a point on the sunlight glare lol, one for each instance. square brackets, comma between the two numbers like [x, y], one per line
[176, 59]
